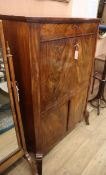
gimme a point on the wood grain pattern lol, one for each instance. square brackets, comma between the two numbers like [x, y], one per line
[53, 125]
[77, 107]
[14, 103]
[46, 20]
[18, 39]
[53, 85]
[34, 58]
[57, 65]
[56, 31]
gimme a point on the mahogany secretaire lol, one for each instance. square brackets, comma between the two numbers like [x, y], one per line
[53, 59]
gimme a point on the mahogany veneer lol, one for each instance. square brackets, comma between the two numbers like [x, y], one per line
[53, 86]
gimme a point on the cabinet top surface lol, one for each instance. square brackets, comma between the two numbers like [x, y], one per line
[48, 19]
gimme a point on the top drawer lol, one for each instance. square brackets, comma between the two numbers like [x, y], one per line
[58, 31]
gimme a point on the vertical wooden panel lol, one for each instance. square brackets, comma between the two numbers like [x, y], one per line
[17, 34]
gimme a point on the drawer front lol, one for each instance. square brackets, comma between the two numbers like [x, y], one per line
[56, 31]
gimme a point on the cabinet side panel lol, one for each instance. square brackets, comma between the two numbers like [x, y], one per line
[17, 34]
[35, 80]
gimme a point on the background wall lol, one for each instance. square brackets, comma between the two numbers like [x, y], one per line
[75, 8]
[101, 46]
[36, 8]
[85, 8]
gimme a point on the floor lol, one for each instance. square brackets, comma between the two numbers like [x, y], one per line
[8, 140]
[21, 167]
[82, 152]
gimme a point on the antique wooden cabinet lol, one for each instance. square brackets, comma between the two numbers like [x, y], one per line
[53, 59]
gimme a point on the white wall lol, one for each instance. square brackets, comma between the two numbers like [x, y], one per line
[101, 46]
[75, 8]
[85, 8]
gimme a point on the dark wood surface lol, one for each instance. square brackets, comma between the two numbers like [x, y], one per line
[53, 86]
[20, 151]
[50, 32]
[16, 114]
[48, 19]
[20, 34]
[101, 8]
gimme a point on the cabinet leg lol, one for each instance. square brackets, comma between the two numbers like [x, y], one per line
[31, 163]
[86, 116]
[39, 158]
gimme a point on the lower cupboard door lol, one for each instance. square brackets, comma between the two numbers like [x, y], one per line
[54, 124]
[76, 110]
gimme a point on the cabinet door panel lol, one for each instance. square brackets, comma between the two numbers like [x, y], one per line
[60, 73]
[56, 62]
[53, 126]
[77, 107]
[86, 46]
